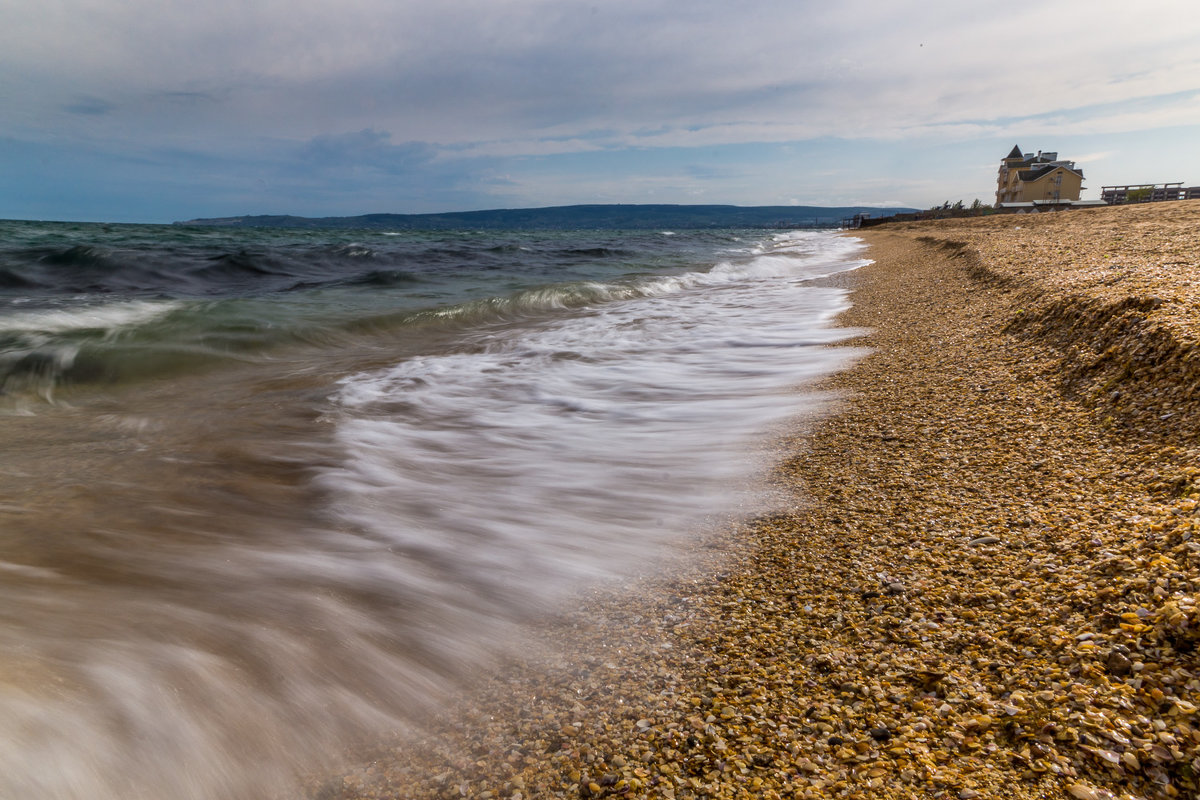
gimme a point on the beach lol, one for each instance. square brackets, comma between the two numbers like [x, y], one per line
[982, 585]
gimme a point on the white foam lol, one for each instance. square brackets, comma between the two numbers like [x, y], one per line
[559, 452]
[109, 316]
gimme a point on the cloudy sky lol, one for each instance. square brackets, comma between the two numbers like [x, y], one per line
[159, 110]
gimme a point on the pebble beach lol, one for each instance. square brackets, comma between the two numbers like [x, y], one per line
[982, 582]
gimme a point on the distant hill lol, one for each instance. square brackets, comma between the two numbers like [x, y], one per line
[619, 217]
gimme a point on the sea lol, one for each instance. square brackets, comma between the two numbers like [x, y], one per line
[267, 491]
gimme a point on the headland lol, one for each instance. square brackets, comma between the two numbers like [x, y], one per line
[579, 217]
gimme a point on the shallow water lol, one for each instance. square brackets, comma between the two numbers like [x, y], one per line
[246, 517]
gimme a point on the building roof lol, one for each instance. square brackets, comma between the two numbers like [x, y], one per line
[1014, 153]
[1034, 174]
[1030, 204]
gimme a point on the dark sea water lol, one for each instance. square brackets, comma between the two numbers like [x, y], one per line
[265, 490]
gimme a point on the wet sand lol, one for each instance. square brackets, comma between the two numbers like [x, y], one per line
[985, 584]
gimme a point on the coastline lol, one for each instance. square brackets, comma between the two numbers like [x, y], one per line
[987, 587]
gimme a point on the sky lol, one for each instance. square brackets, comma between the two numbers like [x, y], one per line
[161, 110]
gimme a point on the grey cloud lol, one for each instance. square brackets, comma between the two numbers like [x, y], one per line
[484, 70]
[91, 106]
[366, 148]
[705, 172]
[186, 98]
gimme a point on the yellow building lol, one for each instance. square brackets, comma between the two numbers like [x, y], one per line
[1040, 179]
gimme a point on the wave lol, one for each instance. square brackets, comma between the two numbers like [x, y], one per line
[595, 252]
[384, 277]
[354, 250]
[324, 296]
[106, 319]
[39, 349]
[76, 269]
[183, 268]
[179, 272]
[13, 279]
[44, 350]
[241, 265]
[85, 269]
[79, 255]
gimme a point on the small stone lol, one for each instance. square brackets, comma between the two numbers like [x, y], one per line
[881, 734]
[895, 587]
[1118, 664]
[980, 540]
[926, 679]
[1084, 792]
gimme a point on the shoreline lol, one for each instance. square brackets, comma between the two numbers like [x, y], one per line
[988, 588]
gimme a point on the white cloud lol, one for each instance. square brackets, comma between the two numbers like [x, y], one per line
[1092, 158]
